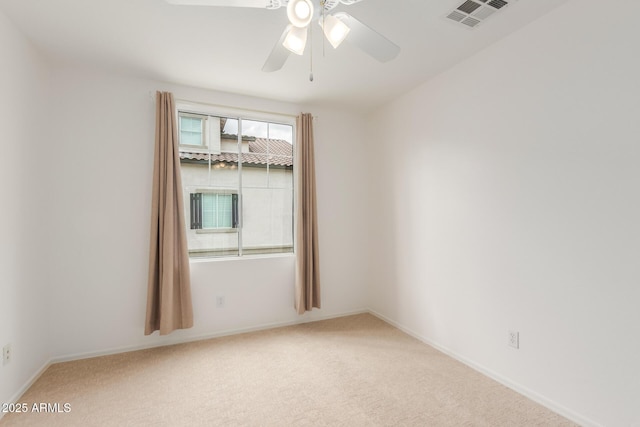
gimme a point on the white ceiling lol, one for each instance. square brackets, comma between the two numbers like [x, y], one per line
[224, 48]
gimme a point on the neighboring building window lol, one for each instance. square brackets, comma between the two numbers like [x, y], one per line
[238, 190]
[211, 211]
[191, 130]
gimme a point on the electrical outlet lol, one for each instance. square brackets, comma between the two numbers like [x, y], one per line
[6, 354]
[220, 301]
[514, 339]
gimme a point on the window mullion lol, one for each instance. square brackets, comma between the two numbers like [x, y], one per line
[206, 135]
[240, 186]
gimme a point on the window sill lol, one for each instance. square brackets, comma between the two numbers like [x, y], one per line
[241, 258]
[216, 230]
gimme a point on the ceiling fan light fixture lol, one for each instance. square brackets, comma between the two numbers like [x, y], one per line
[296, 40]
[300, 12]
[335, 30]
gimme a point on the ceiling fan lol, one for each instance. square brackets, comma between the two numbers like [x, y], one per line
[301, 13]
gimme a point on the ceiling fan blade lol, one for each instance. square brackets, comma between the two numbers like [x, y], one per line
[368, 39]
[231, 3]
[330, 4]
[278, 55]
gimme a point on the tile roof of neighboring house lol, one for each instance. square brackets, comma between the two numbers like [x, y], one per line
[273, 146]
[280, 154]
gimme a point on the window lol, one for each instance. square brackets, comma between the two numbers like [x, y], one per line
[237, 174]
[211, 211]
[191, 130]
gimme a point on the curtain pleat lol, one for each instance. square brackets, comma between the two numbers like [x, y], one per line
[307, 284]
[169, 304]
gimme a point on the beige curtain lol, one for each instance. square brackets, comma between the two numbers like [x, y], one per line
[169, 289]
[307, 260]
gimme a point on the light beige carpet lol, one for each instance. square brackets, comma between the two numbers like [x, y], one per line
[351, 371]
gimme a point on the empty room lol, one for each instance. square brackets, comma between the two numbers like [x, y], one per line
[306, 212]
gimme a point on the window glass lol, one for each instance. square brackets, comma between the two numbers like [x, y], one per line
[267, 187]
[191, 130]
[239, 193]
[216, 210]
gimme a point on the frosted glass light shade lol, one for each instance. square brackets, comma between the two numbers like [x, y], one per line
[335, 30]
[296, 40]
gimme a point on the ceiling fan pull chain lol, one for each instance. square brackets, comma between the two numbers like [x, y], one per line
[322, 5]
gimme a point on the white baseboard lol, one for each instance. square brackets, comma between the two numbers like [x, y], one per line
[536, 397]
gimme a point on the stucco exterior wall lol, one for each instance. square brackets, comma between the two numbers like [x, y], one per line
[266, 220]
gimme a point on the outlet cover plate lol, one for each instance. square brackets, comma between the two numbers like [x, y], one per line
[514, 339]
[6, 354]
[220, 301]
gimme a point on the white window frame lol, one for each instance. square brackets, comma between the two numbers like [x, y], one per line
[203, 109]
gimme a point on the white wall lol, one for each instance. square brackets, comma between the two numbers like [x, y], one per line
[103, 135]
[516, 205]
[23, 315]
